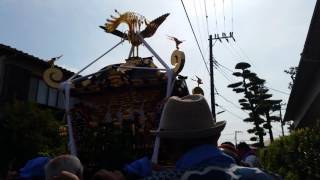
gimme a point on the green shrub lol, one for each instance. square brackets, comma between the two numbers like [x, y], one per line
[27, 131]
[296, 156]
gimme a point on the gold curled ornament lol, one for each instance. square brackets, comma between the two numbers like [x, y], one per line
[52, 77]
[178, 60]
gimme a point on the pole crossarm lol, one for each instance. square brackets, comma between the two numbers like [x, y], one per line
[224, 36]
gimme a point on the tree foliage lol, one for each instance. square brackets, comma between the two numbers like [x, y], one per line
[295, 156]
[292, 71]
[27, 131]
[256, 101]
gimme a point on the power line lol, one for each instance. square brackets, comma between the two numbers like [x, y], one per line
[279, 91]
[232, 15]
[223, 74]
[282, 92]
[224, 16]
[206, 13]
[236, 106]
[225, 67]
[197, 20]
[215, 15]
[204, 61]
[233, 114]
[243, 52]
[232, 50]
[236, 51]
[227, 100]
[218, 65]
[204, 20]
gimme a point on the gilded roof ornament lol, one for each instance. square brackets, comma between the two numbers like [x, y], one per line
[135, 22]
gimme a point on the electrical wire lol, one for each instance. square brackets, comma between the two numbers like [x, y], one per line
[204, 61]
[225, 67]
[206, 13]
[230, 76]
[282, 92]
[237, 51]
[197, 20]
[232, 16]
[232, 51]
[224, 16]
[233, 114]
[227, 100]
[279, 91]
[215, 16]
[223, 74]
[243, 52]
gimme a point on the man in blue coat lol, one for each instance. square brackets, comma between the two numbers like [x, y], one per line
[189, 136]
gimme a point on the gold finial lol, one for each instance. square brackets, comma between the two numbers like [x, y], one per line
[176, 40]
[52, 60]
[199, 81]
[134, 22]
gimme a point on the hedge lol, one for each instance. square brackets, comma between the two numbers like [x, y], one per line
[296, 156]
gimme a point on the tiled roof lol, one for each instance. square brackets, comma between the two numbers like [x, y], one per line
[4, 49]
[305, 91]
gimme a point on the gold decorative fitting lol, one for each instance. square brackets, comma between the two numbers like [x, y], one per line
[52, 77]
[86, 82]
[178, 60]
[176, 40]
[134, 22]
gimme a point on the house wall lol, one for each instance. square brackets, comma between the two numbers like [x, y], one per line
[21, 78]
[312, 115]
[2, 59]
[28, 64]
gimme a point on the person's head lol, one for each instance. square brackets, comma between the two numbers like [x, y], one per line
[243, 148]
[185, 123]
[108, 175]
[64, 163]
[229, 149]
[34, 168]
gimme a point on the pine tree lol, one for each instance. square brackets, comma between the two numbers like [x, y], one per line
[250, 86]
[256, 100]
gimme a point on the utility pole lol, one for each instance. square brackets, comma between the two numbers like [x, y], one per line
[213, 104]
[212, 61]
[235, 137]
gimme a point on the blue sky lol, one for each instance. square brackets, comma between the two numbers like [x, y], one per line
[270, 36]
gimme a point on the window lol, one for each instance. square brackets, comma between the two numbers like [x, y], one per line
[33, 87]
[61, 100]
[52, 100]
[41, 93]
[42, 96]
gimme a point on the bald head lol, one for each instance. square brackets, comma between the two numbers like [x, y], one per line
[61, 163]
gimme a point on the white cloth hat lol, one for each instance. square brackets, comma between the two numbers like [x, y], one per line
[188, 117]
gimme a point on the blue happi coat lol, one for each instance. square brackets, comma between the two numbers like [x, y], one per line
[204, 162]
